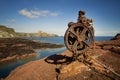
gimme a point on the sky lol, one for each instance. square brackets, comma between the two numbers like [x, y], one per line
[53, 16]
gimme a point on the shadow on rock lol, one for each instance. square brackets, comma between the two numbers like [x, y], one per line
[58, 59]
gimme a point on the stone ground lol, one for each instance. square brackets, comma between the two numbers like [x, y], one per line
[60, 67]
[48, 68]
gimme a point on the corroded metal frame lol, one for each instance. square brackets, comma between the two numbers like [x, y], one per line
[79, 37]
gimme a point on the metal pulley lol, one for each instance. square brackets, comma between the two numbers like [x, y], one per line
[79, 36]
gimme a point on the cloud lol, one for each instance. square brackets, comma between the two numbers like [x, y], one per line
[11, 20]
[54, 14]
[36, 13]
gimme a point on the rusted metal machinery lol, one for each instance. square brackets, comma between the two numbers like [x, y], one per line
[79, 36]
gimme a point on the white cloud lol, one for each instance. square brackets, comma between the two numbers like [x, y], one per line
[27, 13]
[11, 20]
[36, 13]
[54, 14]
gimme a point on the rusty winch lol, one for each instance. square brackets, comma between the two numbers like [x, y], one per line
[79, 36]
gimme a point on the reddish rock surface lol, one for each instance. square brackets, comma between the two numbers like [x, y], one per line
[105, 52]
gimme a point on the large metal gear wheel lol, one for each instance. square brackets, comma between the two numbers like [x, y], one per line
[78, 38]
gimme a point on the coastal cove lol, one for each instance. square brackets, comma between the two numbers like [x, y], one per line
[6, 68]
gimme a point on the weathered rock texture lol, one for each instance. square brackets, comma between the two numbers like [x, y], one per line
[18, 48]
[60, 67]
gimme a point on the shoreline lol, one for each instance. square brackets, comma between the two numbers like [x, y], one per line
[19, 48]
[16, 57]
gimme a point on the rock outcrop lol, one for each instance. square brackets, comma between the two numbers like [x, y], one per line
[116, 37]
[18, 48]
[6, 32]
[49, 68]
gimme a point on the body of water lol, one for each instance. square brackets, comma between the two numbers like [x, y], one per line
[60, 40]
[6, 68]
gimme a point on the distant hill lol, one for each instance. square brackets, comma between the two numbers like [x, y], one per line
[6, 32]
[39, 34]
[44, 34]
